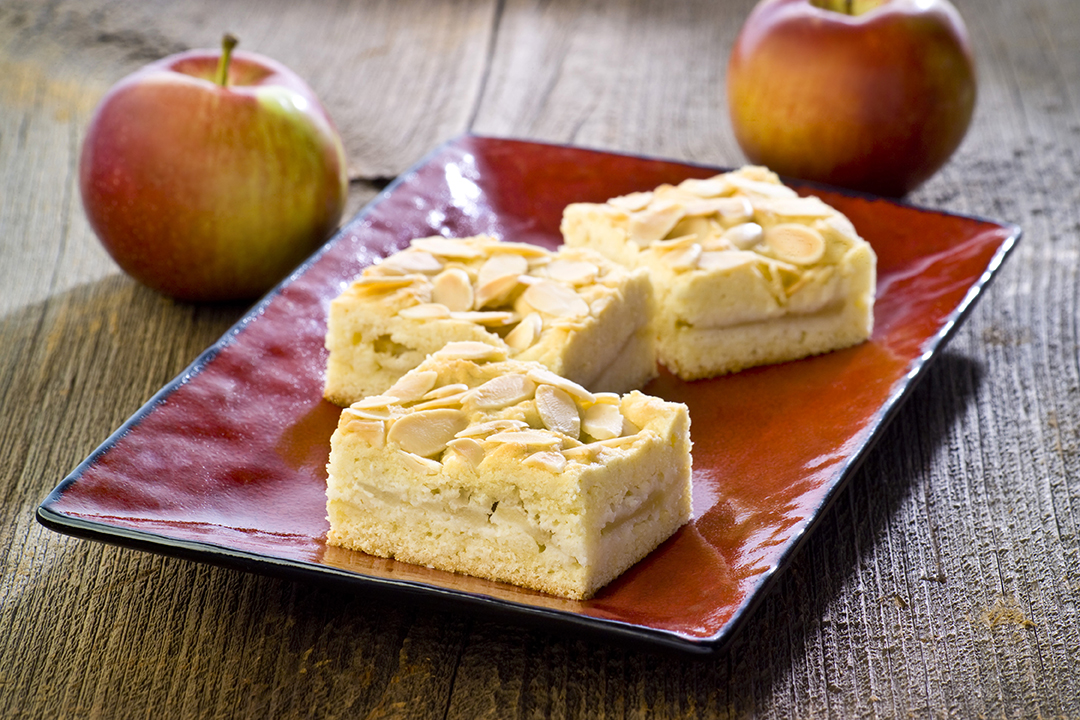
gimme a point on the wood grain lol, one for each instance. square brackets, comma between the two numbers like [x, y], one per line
[944, 581]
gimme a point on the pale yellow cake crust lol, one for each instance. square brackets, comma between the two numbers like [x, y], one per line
[503, 470]
[579, 314]
[744, 270]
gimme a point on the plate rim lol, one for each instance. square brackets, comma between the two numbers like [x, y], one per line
[698, 646]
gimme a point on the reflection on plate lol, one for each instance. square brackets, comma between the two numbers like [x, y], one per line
[227, 463]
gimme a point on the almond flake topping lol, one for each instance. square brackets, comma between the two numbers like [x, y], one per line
[370, 284]
[411, 261]
[602, 422]
[373, 413]
[472, 451]
[492, 426]
[426, 433]
[501, 392]
[761, 188]
[543, 375]
[745, 235]
[497, 291]
[796, 207]
[445, 391]
[710, 187]
[527, 438]
[453, 288]
[573, 272]
[471, 350]
[547, 460]
[796, 244]
[552, 298]
[372, 431]
[632, 202]
[524, 335]
[447, 247]
[374, 401]
[413, 385]
[685, 258]
[558, 411]
[501, 265]
[608, 398]
[425, 311]
[655, 222]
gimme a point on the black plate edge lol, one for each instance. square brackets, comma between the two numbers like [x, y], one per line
[669, 640]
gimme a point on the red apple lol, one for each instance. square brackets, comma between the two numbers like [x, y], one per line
[868, 94]
[209, 175]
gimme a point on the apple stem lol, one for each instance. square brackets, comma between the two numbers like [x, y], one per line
[228, 42]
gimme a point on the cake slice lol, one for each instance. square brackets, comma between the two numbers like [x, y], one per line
[745, 271]
[500, 469]
[579, 314]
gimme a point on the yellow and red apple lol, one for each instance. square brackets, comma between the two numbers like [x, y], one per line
[874, 95]
[209, 175]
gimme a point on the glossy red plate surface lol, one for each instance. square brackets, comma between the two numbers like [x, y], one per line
[226, 463]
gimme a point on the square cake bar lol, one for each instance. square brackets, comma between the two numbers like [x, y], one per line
[501, 469]
[579, 314]
[745, 271]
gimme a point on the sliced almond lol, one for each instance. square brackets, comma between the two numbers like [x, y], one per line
[602, 422]
[654, 222]
[558, 411]
[425, 311]
[492, 426]
[453, 288]
[744, 235]
[633, 202]
[381, 412]
[501, 265]
[525, 334]
[552, 298]
[471, 450]
[412, 385]
[445, 391]
[795, 243]
[572, 272]
[526, 438]
[421, 465]
[724, 260]
[796, 207]
[710, 187]
[734, 210]
[374, 401]
[489, 318]
[760, 188]
[543, 375]
[685, 258]
[471, 350]
[525, 250]
[453, 401]
[447, 247]
[608, 398]
[426, 433]
[411, 261]
[501, 392]
[495, 292]
[372, 431]
[547, 460]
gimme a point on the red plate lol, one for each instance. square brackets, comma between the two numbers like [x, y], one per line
[226, 464]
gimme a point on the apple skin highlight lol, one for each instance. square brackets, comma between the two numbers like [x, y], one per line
[209, 193]
[876, 101]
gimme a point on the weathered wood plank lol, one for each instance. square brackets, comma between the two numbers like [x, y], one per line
[944, 581]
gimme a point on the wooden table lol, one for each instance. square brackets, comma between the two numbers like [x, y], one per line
[944, 582]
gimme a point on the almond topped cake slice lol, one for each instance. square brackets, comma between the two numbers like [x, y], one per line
[501, 469]
[576, 312]
[745, 271]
